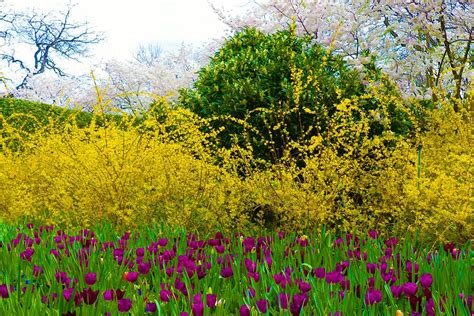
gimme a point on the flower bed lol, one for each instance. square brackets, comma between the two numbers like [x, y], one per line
[97, 272]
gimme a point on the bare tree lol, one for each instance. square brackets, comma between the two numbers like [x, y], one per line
[148, 54]
[53, 36]
[6, 20]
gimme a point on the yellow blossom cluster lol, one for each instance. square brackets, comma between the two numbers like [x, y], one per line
[165, 167]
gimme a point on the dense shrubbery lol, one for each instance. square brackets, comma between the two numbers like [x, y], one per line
[278, 89]
[30, 115]
[163, 170]
[334, 152]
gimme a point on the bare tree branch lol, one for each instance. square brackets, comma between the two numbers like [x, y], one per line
[53, 35]
[148, 54]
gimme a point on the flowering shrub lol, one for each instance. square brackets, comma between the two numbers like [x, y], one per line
[165, 167]
[271, 90]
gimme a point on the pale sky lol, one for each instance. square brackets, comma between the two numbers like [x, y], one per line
[127, 23]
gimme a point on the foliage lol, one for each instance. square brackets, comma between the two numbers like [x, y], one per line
[165, 167]
[424, 46]
[278, 89]
[24, 113]
[78, 175]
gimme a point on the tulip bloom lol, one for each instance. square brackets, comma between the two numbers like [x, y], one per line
[89, 296]
[150, 307]
[144, 268]
[90, 278]
[244, 310]
[165, 295]
[304, 287]
[131, 276]
[211, 300]
[426, 280]
[396, 290]
[108, 295]
[262, 305]
[227, 272]
[124, 305]
[409, 288]
[67, 293]
[373, 296]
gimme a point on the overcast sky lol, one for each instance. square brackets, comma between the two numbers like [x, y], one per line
[127, 23]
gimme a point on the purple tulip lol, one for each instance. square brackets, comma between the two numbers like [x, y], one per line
[55, 253]
[119, 294]
[89, 296]
[4, 291]
[180, 285]
[304, 287]
[373, 296]
[150, 307]
[211, 300]
[412, 266]
[250, 292]
[334, 277]
[108, 295]
[132, 276]
[392, 242]
[27, 254]
[371, 267]
[220, 248]
[244, 310]
[255, 276]
[409, 288]
[67, 293]
[213, 242]
[37, 270]
[283, 299]
[373, 234]
[426, 280]
[262, 305]
[144, 268]
[301, 299]
[430, 307]
[90, 278]
[278, 278]
[140, 252]
[197, 308]
[227, 272]
[320, 273]
[449, 247]
[250, 265]
[295, 308]
[268, 261]
[338, 242]
[249, 244]
[124, 305]
[165, 295]
[61, 277]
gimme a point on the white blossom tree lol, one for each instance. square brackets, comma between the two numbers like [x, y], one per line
[128, 85]
[423, 45]
[133, 85]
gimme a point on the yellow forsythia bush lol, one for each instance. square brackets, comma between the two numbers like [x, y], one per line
[165, 169]
[118, 173]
